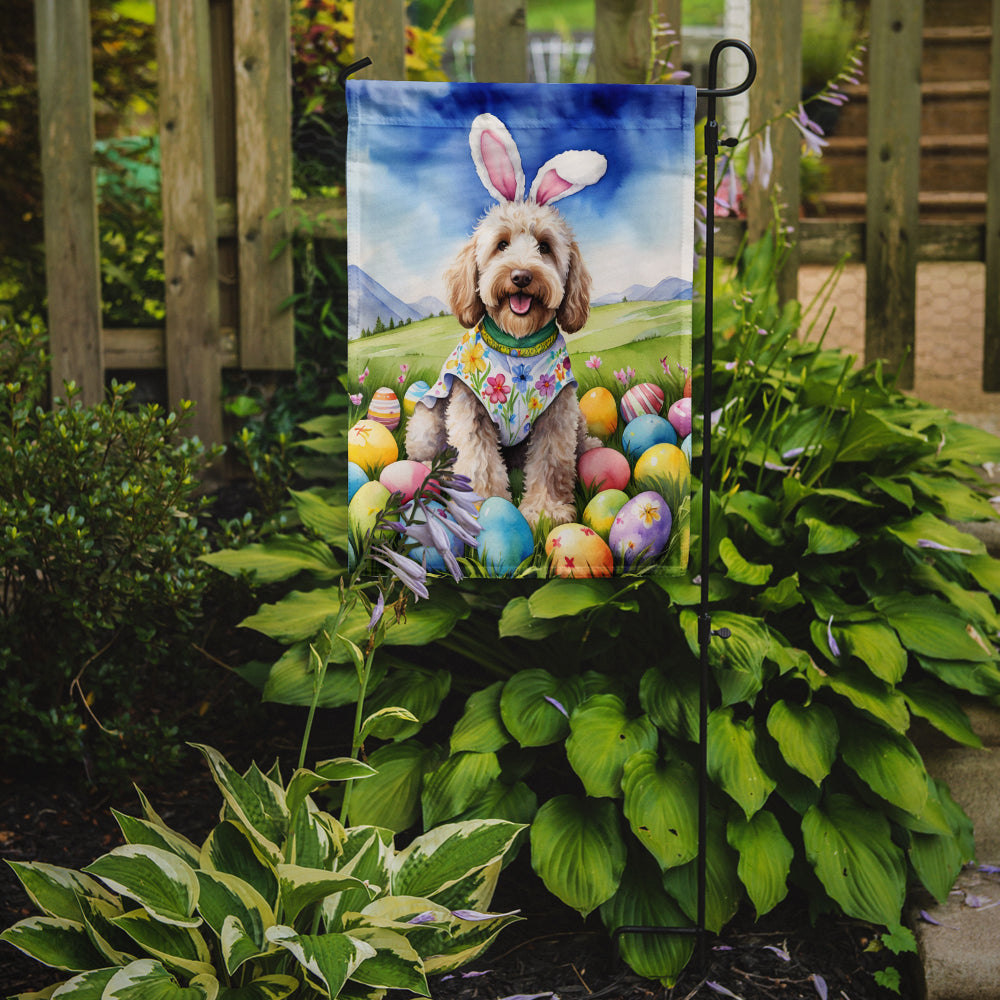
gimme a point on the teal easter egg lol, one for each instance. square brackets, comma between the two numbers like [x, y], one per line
[679, 415]
[686, 448]
[641, 529]
[355, 477]
[644, 431]
[384, 408]
[604, 469]
[505, 538]
[429, 555]
[366, 506]
[413, 395]
[404, 476]
[600, 513]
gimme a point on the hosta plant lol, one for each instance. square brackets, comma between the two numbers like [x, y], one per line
[279, 900]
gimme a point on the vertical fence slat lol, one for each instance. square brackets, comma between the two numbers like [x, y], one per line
[621, 40]
[991, 332]
[501, 41]
[190, 253]
[380, 34]
[893, 183]
[72, 257]
[261, 57]
[776, 34]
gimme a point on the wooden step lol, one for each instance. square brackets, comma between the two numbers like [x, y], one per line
[945, 12]
[957, 206]
[956, 53]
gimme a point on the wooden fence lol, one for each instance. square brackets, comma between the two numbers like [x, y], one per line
[226, 161]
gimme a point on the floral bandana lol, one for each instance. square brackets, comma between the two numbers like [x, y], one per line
[515, 384]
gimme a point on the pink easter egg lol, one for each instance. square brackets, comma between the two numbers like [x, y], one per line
[404, 476]
[604, 469]
[642, 398]
[679, 416]
[384, 408]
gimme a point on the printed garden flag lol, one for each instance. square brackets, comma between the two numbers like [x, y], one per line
[520, 263]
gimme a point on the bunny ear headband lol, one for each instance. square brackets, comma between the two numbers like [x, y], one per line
[498, 164]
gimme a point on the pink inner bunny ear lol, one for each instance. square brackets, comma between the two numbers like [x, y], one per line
[498, 166]
[550, 186]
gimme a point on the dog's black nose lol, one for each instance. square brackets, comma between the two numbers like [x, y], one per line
[521, 278]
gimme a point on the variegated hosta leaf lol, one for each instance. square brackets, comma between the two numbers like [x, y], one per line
[481, 727]
[578, 851]
[661, 805]
[468, 939]
[329, 959]
[158, 880]
[535, 706]
[86, 986]
[275, 987]
[177, 947]
[807, 736]
[315, 838]
[54, 941]
[230, 849]
[367, 853]
[456, 784]
[642, 902]
[765, 858]
[850, 847]
[147, 979]
[116, 947]
[301, 887]
[141, 831]
[476, 890]
[225, 897]
[732, 760]
[602, 737]
[304, 782]
[395, 964]
[417, 690]
[56, 891]
[441, 857]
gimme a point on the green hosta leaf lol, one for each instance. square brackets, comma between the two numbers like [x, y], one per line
[937, 859]
[147, 979]
[527, 711]
[723, 889]
[177, 947]
[738, 661]
[561, 598]
[602, 738]
[330, 959]
[738, 569]
[301, 887]
[141, 831]
[870, 436]
[760, 512]
[850, 848]
[941, 709]
[661, 799]
[304, 782]
[931, 628]
[386, 723]
[54, 941]
[578, 851]
[417, 690]
[888, 763]
[516, 803]
[976, 678]
[391, 798]
[876, 646]
[56, 891]
[783, 595]
[275, 987]
[732, 760]
[442, 857]
[671, 700]
[975, 605]
[864, 691]
[517, 620]
[292, 680]
[279, 558]
[226, 898]
[986, 572]
[765, 858]
[828, 539]
[327, 520]
[160, 882]
[957, 501]
[926, 528]
[456, 784]
[807, 736]
[893, 488]
[395, 964]
[481, 728]
[230, 849]
[641, 901]
[965, 443]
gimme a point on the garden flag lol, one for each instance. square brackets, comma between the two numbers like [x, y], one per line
[519, 271]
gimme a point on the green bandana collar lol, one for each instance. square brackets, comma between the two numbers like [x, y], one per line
[534, 343]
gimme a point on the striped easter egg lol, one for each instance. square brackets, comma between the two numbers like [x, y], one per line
[384, 408]
[642, 398]
[413, 396]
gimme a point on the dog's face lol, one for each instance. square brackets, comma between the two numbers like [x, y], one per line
[523, 267]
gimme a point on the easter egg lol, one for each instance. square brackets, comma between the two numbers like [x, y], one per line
[384, 408]
[599, 410]
[429, 555]
[641, 528]
[578, 551]
[404, 476]
[355, 477]
[644, 431]
[664, 468]
[679, 415]
[604, 469]
[371, 445]
[367, 504]
[413, 395]
[505, 538]
[685, 446]
[600, 513]
[642, 398]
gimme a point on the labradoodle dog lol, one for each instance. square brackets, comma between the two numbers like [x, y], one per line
[506, 396]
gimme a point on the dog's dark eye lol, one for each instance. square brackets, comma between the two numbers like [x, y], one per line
[543, 247]
[502, 245]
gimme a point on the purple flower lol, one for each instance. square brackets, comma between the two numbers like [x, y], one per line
[811, 132]
[761, 163]
[475, 915]
[719, 988]
[377, 612]
[834, 648]
[927, 543]
[408, 571]
[427, 917]
[558, 705]
[820, 983]
[546, 384]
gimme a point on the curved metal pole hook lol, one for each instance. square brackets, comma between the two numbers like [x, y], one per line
[712, 91]
[353, 68]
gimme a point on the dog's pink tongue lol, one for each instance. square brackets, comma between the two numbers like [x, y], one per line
[520, 303]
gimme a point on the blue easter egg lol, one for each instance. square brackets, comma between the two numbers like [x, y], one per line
[356, 476]
[505, 538]
[431, 557]
[644, 431]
